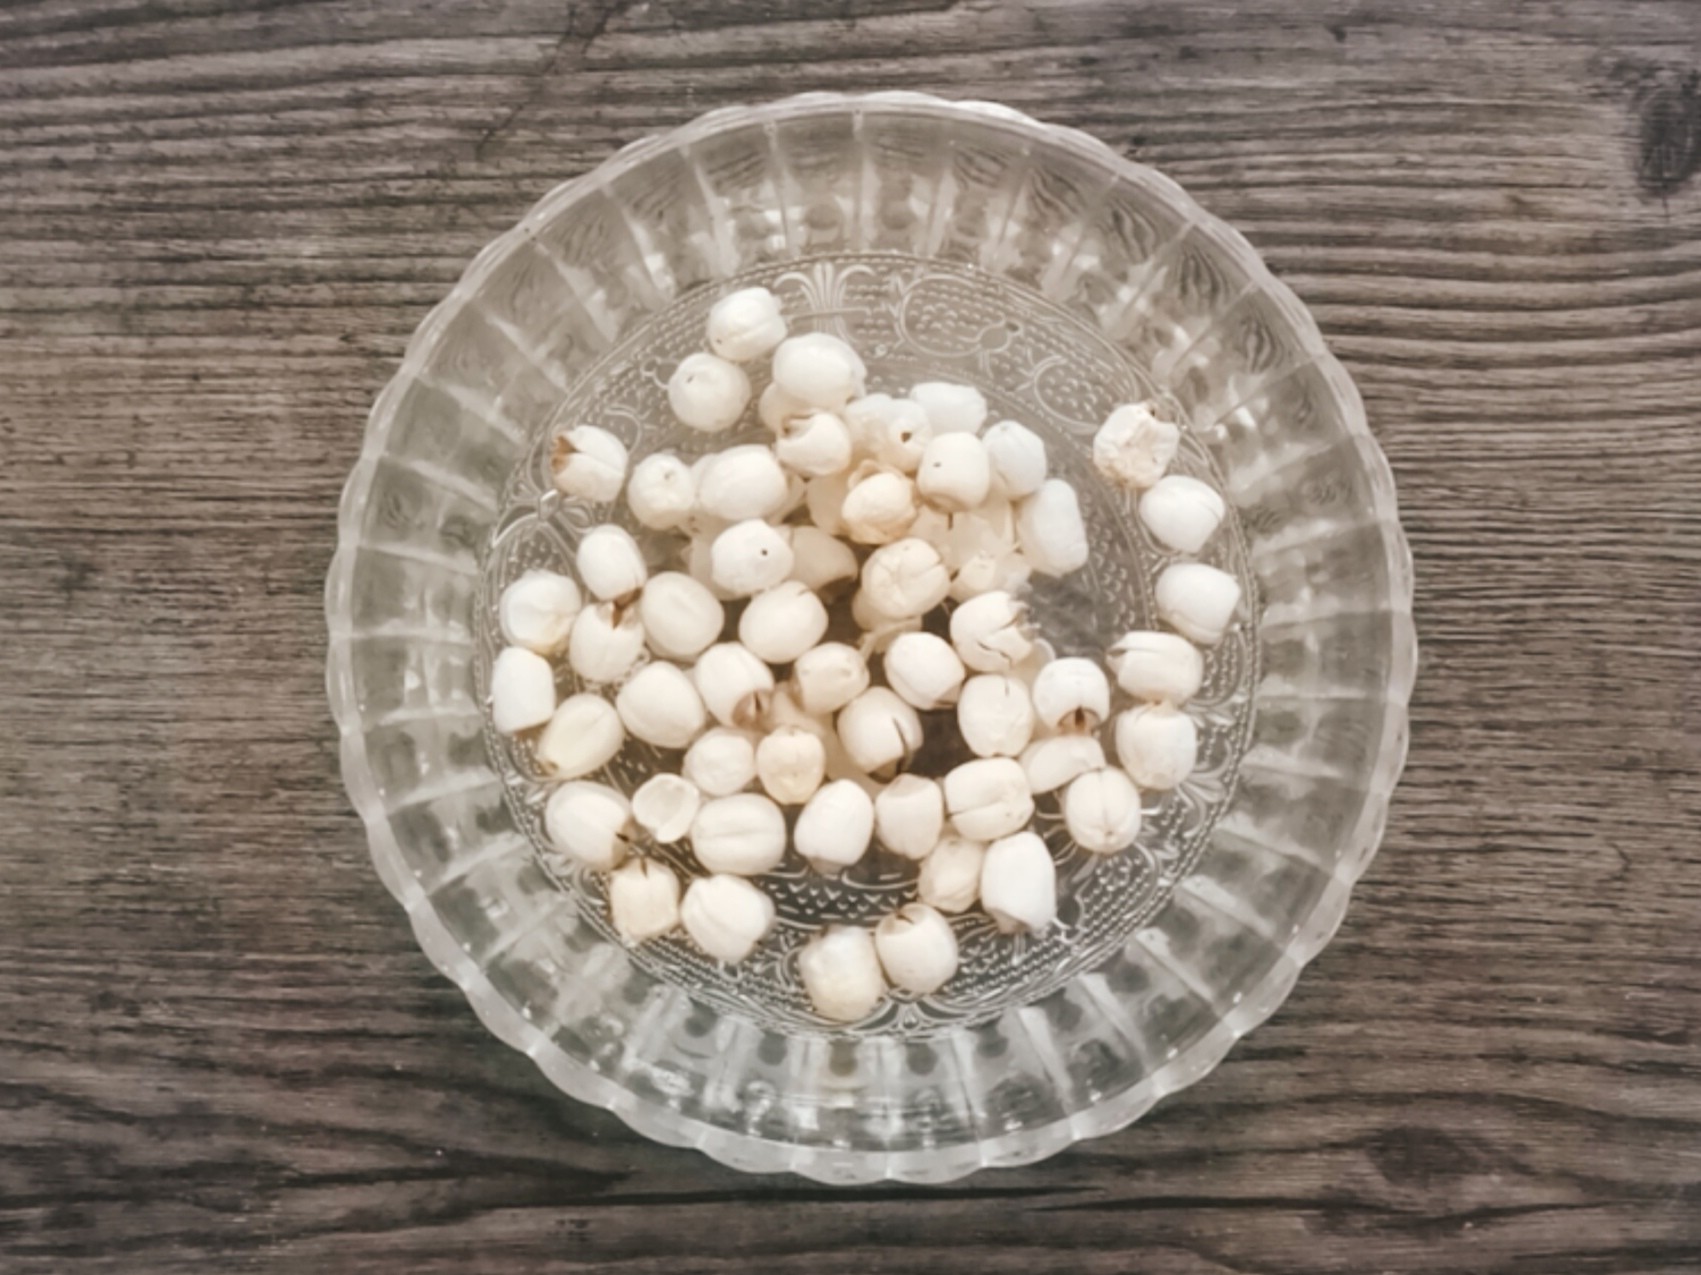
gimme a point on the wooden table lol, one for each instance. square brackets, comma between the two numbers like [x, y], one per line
[220, 1049]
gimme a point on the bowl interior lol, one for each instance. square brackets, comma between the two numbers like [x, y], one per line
[946, 242]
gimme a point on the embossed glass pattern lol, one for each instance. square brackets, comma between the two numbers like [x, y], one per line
[945, 240]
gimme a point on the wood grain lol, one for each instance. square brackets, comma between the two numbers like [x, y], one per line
[219, 1047]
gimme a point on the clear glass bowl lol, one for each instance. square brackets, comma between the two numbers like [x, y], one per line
[950, 240]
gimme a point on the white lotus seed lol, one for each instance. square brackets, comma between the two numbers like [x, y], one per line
[1102, 811]
[744, 834]
[786, 711]
[522, 690]
[822, 562]
[1030, 666]
[537, 611]
[734, 683]
[1050, 530]
[879, 507]
[606, 642]
[995, 715]
[660, 706]
[934, 526]
[588, 463]
[584, 735]
[783, 622]
[820, 369]
[643, 900]
[835, 826]
[1158, 745]
[950, 876]
[825, 499]
[742, 482]
[951, 408]
[1053, 762]
[791, 764]
[721, 762]
[746, 324]
[991, 632]
[917, 949]
[681, 617]
[841, 973]
[829, 677]
[1135, 446]
[726, 916]
[589, 822]
[814, 445]
[699, 558]
[776, 409]
[866, 418]
[665, 805]
[708, 394]
[867, 613]
[909, 816]
[955, 472]
[924, 670]
[999, 515]
[1018, 459]
[797, 488]
[610, 563]
[990, 573]
[1018, 883]
[1182, 512]
[878, 639]
[905, 578]
[879, 730]
[1071, 694]
[879, 630]
[866, 411]
[988, 798]
[1160, 667]
[1197, 601]
[750, 556]
[975, 533]
[899, 438]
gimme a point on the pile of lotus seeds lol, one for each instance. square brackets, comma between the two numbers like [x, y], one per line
[911, 529]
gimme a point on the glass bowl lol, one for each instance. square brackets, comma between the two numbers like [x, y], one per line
[958, 241]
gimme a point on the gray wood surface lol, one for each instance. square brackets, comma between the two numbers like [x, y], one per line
[219, 1047]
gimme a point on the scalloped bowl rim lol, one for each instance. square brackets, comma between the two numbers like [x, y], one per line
[743, 1151]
